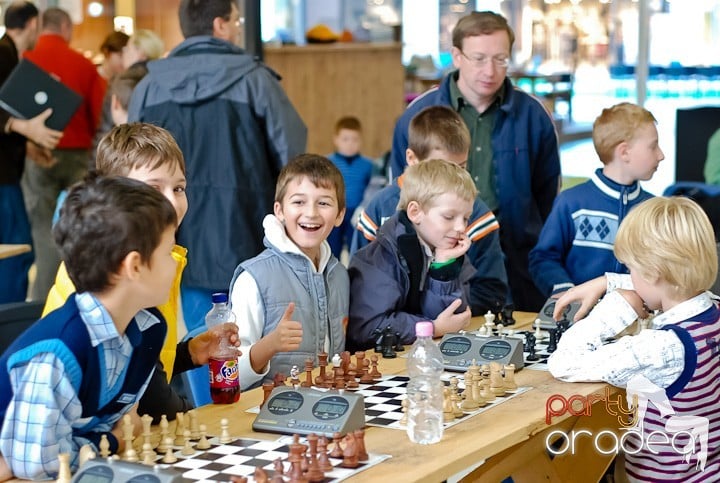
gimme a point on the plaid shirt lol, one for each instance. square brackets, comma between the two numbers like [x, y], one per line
[45, 408]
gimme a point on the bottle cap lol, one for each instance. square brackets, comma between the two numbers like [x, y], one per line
[219, 298]
[424, 329]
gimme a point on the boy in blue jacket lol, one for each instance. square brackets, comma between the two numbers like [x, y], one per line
[576, 242]
[416, 268]
[438, 132]
[70, 377]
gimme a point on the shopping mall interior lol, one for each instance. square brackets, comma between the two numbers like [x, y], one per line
[576, 55]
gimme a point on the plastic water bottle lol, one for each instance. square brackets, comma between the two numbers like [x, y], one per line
[224, 378]
[425, 388]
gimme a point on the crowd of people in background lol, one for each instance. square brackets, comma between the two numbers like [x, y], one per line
[470, 221]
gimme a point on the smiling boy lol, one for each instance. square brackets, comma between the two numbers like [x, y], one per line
[291, 301]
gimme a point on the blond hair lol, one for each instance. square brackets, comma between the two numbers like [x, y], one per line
[149, 43]
[137, 145]
[438, 128]
[425, 182]
[671, 239]
[618, 124]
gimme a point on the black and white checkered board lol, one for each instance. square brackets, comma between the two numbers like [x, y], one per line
[242, 456]
[540, 351]
[383, 401]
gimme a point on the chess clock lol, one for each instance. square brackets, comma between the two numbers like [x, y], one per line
[546, 313]
[109, 470]
[460, 349]
[304, 411]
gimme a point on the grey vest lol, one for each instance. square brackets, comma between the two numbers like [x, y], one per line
[321, 303]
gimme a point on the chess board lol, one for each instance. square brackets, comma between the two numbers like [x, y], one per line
[540, 351]
[242, 456]
[384, 398]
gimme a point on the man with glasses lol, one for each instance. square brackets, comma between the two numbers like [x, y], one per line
[513, 158]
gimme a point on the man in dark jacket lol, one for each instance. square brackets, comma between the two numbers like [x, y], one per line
[514, 157]
[236, 128]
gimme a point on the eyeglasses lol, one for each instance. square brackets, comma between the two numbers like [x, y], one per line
[500, 61]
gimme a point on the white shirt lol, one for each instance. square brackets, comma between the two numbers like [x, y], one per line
[588, 352]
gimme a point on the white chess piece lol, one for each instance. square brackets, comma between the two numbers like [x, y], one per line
[539, 334]
[489, 322]
[64, 473]
[225, 431]
[336, 360]
[203, 443]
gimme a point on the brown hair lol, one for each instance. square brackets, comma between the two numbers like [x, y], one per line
[480, 23]
[318, 169]
[114, 42]
[124, 84]
[348, 122]
[119, 215]
[135, 145]
[618, 124]
[438, 127]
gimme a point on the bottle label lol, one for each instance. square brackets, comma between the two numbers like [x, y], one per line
[223, 373]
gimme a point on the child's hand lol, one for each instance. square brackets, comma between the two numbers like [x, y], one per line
[587, 293]
[635, 302]
[201, 346]
[287, 336]
[445, 254]
[449, 321]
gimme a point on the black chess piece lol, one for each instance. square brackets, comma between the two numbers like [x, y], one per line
[388, 344]
[563, 325]
[506, 316]
[530, 347]
[398, 347]
[553, 340]
[377, 334]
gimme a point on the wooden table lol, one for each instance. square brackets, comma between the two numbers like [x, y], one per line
[7, 251]
[510, 437]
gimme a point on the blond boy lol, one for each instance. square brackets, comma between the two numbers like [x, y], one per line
[438, 132]
[668, 244]
[576, 242]
[416, 267]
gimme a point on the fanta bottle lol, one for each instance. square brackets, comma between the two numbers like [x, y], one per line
[224, 377]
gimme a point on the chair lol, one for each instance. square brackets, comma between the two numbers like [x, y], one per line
[15, 318]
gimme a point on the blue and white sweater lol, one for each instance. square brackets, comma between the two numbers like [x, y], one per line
[576, 242]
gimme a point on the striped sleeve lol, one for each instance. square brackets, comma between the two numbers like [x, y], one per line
[367, 226]
[482, 226]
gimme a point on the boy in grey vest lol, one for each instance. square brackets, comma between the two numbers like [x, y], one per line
[291, 301]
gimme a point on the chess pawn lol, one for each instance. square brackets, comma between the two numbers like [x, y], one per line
[148, 454]
[455, 397]
[448, 411]
[169, 454]
[131, 455]
[485, 391]
[203, 443]
[104, 446]
[477, 389]
[225, 431]
[323, 459]
[509, 378]
[187, 449]
[497, 385]
[404, 405]
[337, 451]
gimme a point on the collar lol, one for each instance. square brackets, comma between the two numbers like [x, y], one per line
[458, 101]
[613, 189]
[276, 235]
[100, 324]
[687, 310]
[348, 159]
[49, 38]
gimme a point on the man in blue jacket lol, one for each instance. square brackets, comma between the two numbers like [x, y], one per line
[514, 158]
[236, 128]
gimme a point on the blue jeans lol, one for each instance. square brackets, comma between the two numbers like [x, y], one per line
[14, 228]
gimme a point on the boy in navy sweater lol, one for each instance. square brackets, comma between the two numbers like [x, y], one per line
[69, 378]
[576, 242]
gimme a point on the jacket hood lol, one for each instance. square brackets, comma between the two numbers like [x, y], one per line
[190, 75]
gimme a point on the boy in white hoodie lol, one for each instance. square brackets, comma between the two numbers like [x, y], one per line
[291, 301]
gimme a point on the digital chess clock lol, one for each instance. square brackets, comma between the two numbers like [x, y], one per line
[459, 350]
[109, 470]
[307, 410]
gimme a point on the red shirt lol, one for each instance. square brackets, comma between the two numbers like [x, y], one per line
[53, 54]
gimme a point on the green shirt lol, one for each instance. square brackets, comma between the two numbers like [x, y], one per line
[480, 157]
